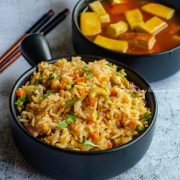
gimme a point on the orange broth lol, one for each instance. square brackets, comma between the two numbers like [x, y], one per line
[164, 39]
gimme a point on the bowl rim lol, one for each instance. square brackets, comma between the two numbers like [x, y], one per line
[75, 24]
[78, 152]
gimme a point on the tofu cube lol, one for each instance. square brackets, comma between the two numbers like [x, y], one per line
[152, 26]
[105, 18]
[134, 18]
[176, 38]
[141, 40]
[115, 45]
[159, 10]
[90, 23]
[118, 1]
[114, 30]
[96, 6]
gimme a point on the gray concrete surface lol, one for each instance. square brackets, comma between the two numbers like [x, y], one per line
[162, 162]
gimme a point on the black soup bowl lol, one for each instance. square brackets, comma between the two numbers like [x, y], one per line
[70, 164]
[153, 67]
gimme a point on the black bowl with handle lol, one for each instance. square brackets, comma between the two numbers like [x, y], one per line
[70, 164]
[153, 67]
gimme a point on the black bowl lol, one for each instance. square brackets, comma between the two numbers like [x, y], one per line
[72, 164]
[153, 67]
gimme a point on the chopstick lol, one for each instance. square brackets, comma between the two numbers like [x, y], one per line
[35, 27]
[44, 30]
[10, 60]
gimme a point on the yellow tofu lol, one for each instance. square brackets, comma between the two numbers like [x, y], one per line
[105, 18]
[134, 18]
[159, 10]
[118, 1]
[115, 45]
[152, 26]
[90, 23]
[96, 6]
[176, 38]
[114, 30]
[141, 40]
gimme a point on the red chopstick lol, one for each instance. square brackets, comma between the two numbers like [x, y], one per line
[33, 29]
[44, 30]
[10, 60]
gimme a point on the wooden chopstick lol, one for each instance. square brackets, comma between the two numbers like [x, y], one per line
[10, 60]
[44, 30]
[54, 22]
[33, 29]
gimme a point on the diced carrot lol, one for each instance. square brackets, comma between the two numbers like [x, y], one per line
[92, 102]
[90, 122]
[119, 8]
[20, 93]
[82, 92]
[113, 92]
[80, 79]
[94, 136]
[62, 85]
[110, 145]
[104, 79]
[96, 74]
[75, 76]
[131, 124]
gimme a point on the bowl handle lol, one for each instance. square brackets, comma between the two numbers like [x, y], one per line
[35, 49]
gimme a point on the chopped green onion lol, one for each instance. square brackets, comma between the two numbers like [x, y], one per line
[21, 101]
[86, 68]
[71, 118]
[89, 76]
[20, 108]
[109, 64]
[69, 87]
[70, 102]
[63, 124]
[47, 94]
[88, 143]
[31, 92]
[53, 76]
[147, 115]
[134, 94]
[36, 82]
[120, 73]
[140, 128]
[126, 84]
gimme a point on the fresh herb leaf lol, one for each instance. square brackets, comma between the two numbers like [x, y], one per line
[53, 76]
[36, 82]
[89, 76]
[89, 143]
[147, 115]
[109, 64]
[62, 124]
[86, 68]
[71, 118]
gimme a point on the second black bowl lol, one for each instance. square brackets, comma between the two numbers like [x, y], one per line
[153, 67]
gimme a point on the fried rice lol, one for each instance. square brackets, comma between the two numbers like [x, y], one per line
[82, 106]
